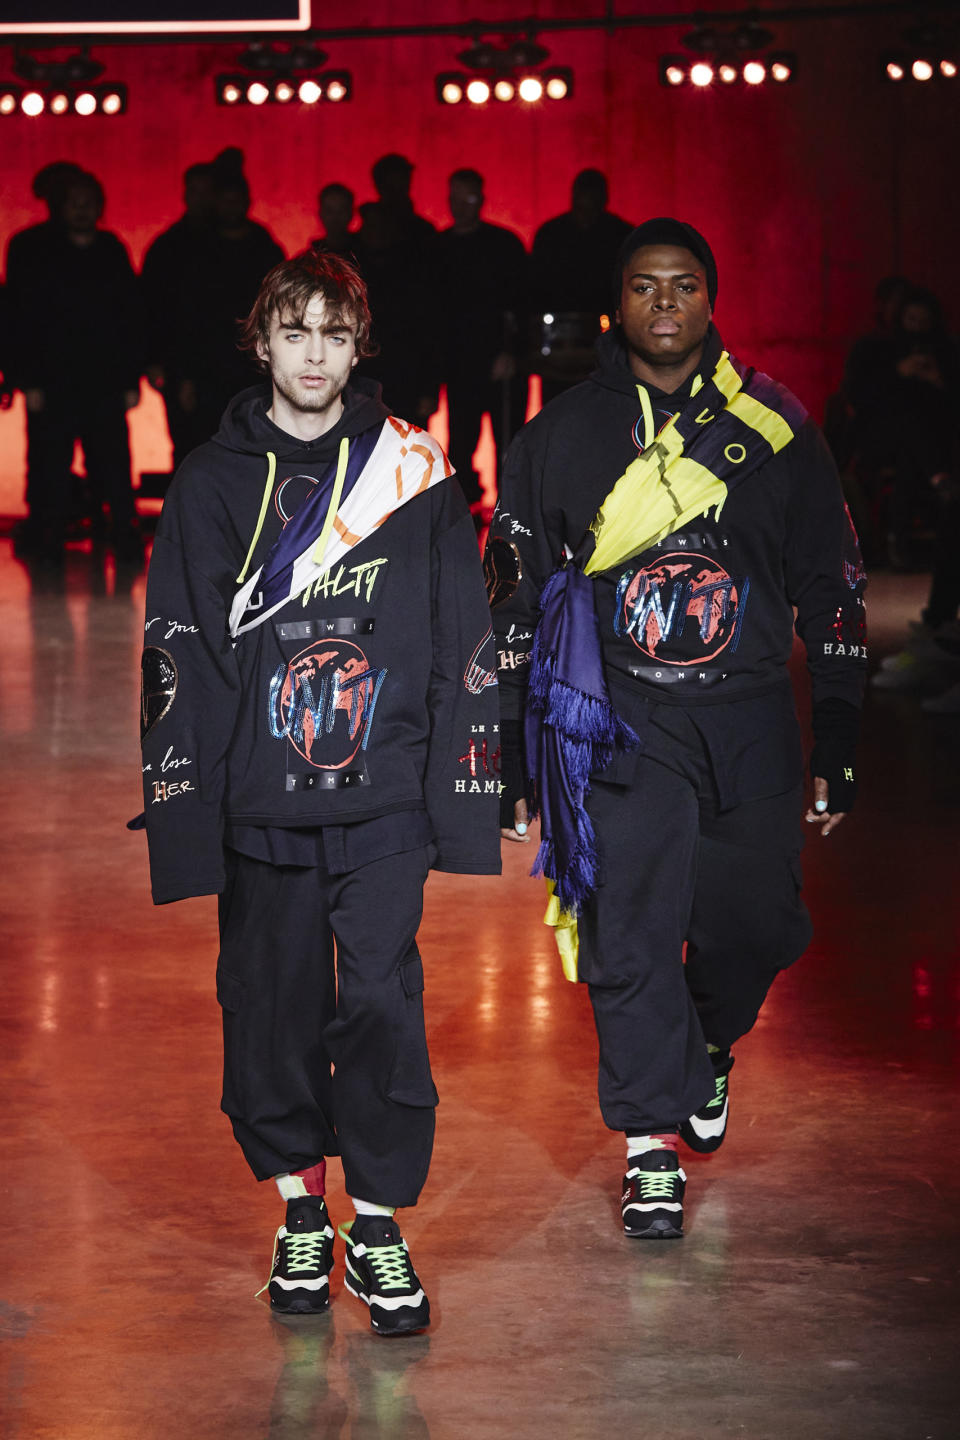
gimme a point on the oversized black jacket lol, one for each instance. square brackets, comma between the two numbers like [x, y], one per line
[782, 545]
[396, 637]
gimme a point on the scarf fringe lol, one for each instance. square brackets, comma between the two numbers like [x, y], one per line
[579, 879]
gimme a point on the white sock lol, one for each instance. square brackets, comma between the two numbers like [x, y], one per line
[291, 1187]
[640, 1144]
[367, 1207]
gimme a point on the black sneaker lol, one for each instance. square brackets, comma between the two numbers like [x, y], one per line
[705, 1131]
[379, 1272]
[299, 1281]
[652, 1199]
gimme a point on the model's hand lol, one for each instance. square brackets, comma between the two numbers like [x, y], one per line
[34, 400]
[130, 399]
[820, 814]
[519, 831]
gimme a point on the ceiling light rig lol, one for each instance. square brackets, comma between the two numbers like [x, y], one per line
[727, 58]
[929, 54]
[60, 87]
[510, 72]
[284, 75]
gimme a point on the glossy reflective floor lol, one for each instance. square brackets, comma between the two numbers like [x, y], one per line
[813, 1298]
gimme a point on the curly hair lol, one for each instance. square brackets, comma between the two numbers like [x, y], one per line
[289, 287]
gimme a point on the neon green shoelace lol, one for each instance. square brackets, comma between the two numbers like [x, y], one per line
[304, 1251]
[720, 1086]
[657, 1184]
[390, 1265]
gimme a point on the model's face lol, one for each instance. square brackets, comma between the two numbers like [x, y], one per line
[465, 201]
[664, 310]
[310, 363]
[336, 212]
[81, 209]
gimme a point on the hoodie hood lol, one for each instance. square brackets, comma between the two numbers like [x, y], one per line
[246, 429]
[614, 373]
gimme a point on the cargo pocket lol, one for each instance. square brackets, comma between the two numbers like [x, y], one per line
[230, 991]
[411, 1082]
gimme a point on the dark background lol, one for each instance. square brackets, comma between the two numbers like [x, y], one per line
[809, 193]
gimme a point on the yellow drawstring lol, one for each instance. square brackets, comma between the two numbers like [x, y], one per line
[649, 434]
[267, 491]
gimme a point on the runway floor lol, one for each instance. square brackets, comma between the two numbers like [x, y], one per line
[814, 1296]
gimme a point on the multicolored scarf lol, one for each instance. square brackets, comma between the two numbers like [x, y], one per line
[732, 423]
[394, 465]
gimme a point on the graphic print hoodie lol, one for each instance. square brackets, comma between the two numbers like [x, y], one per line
[706, 616]
[371, 693]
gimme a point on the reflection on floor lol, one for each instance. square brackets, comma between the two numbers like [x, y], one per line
[810, 1299]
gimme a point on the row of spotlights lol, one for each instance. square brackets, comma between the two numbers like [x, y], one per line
[457, 87]
[922, 68]
[241, 90]
[95, 100]
[676, 70]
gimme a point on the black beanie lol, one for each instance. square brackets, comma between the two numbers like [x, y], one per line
[665, 231]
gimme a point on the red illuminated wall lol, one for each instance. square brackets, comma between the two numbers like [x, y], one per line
[809, 193]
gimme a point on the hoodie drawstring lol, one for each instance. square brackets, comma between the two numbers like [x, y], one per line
[267, 492]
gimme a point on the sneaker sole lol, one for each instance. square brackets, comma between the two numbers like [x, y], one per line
[662, 1229]
[405, 1324]
[300, 1305]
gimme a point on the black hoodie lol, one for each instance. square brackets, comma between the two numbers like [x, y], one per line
[418, 730]
[783, 540]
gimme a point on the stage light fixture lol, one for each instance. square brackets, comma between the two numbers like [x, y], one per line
[948, 69]
[8, 102]
[728, 74]
[701, 74]
[673, 72]
[112, 103]
[781, 72]
[921, 70]
[85, 103]
[334, 85]
[454, 86]
[59, 104]
[895, 70]
[505, 72]
[33, 103]
[754, 72]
